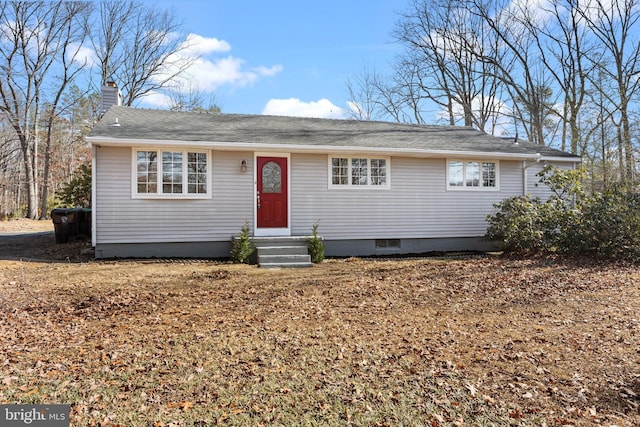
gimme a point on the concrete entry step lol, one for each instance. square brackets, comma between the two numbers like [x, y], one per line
[282, 252]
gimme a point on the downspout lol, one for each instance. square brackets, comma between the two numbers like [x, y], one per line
[526, 166]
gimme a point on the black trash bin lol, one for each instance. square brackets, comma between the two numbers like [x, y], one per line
[84, 225]
[66, 224]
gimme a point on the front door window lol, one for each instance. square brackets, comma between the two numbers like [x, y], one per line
[271, 178]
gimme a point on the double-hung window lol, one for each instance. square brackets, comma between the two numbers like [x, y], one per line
[171, 173]
[358, 172]
[472, 174]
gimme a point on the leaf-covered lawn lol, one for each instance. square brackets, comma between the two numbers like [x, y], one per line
[481, 341]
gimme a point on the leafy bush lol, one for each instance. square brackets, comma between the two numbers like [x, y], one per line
[241, 247]
[315, 245]
[610, 226]
[606, 225]
[517, 223]
[77, 193]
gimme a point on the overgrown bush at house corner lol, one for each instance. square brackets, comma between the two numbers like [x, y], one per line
[241, 246]
[77, 193]
[605, 225]
[315, 245]
[518, 224]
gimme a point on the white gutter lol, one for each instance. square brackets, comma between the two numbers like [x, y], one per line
[320, 149]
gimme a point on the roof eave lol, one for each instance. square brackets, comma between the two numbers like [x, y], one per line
[323, 149]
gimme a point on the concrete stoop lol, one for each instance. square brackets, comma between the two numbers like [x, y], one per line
[282, 252]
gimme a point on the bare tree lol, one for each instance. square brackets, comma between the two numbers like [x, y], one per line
[374, 97]
[614, 24]
[186, 96]
[72, 35]
[518, 65]
[137, 47]
[598, 144]
[560, 35]
[36, 40]
[445, 64]
[363, 94]
[10, 172]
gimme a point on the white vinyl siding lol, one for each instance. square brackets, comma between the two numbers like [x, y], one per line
[417, 204]
[533, 186]
[121, 219]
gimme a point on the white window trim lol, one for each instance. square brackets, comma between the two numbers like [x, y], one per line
[350, 186]
[464, 187]
[185, 176]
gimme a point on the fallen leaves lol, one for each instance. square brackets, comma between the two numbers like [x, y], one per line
[185, 405]
[483, 340]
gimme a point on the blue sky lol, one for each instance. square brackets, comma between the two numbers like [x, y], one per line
[284, 56]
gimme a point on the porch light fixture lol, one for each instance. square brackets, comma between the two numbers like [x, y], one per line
[243, 166]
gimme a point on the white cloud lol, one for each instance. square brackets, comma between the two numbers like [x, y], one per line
[83, 55]
[297, 108]
[268, 71]
[209, 70]
[210, 74]
[157, 99]
[197, 45]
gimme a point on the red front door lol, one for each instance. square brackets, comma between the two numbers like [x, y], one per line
[272, 203]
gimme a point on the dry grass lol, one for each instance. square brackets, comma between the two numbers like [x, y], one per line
[484, 341]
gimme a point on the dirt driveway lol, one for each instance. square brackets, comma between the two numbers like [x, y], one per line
[35, 240]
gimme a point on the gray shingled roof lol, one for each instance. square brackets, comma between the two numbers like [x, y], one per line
[162, 125]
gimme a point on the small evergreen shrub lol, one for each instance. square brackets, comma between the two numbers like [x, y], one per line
[315, 245]
[241, 247]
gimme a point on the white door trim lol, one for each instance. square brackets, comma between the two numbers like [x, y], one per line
[271, 232]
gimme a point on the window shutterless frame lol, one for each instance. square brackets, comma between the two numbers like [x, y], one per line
[170, 173]
[472, 175]
[359, 172]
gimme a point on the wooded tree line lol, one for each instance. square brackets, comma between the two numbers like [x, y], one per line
[54, 57]
[563, 73]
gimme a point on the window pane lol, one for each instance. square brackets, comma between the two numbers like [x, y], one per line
[488, 174]
[456, 174]
[197, 173]
[472, 174]
[146, 167]
[359, 171]
[339, 171]
[172, 172]
[378, 172]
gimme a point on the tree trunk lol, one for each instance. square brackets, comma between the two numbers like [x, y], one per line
[32, 186]
[45, 180]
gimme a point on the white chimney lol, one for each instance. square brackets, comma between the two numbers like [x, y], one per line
[110, 96]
